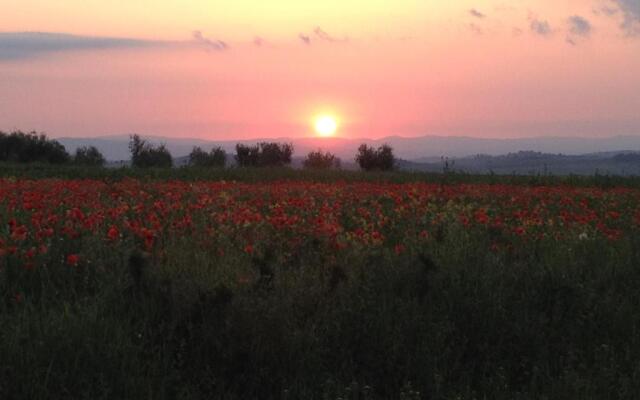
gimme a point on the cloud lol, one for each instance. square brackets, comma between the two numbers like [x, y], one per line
[477, 14]
[579, 26]
[540, 27]
[26, 45]
[323, 35]
[476, 29]
[305, 38]
[606, 10]
[209, 44]
[631, 16]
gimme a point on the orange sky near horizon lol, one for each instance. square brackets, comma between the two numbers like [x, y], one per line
[266, 69]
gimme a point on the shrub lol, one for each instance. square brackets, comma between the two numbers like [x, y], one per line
[89, 156]
[320, 160]
[217, 157]
[265, 154]
[144, 154]
[31, 147]
[370, 159]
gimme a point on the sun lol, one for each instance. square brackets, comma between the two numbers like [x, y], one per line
[326, 126]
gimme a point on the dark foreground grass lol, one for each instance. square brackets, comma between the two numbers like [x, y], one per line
[455, 322]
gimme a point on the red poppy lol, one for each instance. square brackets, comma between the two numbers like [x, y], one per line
[73, 260]
[113, 233]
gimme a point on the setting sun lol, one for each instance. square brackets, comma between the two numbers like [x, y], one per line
[326, 126]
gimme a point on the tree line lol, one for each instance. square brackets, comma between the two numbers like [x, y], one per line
[20, 147]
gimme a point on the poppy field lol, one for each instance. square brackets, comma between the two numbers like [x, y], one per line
[177, 289]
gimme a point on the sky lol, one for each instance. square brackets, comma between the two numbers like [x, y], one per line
[265, 69]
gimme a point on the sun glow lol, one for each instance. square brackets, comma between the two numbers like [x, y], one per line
[326, 126]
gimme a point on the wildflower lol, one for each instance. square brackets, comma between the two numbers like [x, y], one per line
[73, 260]
[113, 233]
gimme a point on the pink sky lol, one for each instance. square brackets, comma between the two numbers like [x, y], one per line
[266, 69]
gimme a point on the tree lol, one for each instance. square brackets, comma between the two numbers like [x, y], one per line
[264, 154]
[89, 156]
[217, 157]
[320, 160]
[247, 156]
[370, 159]
[144, 154]
[275, 154]
[31, 147]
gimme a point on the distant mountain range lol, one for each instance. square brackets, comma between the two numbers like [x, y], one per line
[418, 149]
[535, 163]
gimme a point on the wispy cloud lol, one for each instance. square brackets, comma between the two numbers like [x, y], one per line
[631, 16]
[477, 14]
[306, 39]
[579, 26]
[605, 10]
[540, 27]
[209, 44]
[26, 45]
[476, 29]
[323, 35]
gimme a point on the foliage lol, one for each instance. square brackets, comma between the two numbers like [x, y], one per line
[89, 156]
[216, 157]
[145, 155]
[31, 147]
[370, 159]
[320, 160]
[146, 288]
[265, 154]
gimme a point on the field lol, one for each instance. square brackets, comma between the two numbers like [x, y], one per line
[237, 285]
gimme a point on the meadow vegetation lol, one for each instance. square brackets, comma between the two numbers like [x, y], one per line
[152, 284]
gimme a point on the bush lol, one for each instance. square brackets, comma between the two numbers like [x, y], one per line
[370, 159]
[31, 147]
[89, 156]
[217, 157]
[264, 154]
[144, 154]
[320, 160]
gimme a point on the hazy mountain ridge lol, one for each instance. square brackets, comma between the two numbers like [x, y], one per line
[420, 149]
[527, 162]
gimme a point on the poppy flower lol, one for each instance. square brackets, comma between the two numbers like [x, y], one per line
[73, 260]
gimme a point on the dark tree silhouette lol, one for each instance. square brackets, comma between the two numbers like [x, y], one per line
[264, 154]
[31, 147]
[217, 157]
[321, 160]
[145, 155]
[89, 156]
[370, 159]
